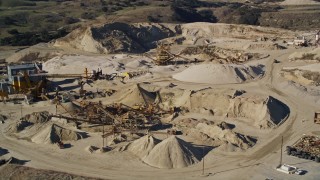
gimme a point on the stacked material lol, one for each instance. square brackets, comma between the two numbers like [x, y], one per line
[310, 144]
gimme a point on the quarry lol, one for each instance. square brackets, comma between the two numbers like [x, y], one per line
[161, 101]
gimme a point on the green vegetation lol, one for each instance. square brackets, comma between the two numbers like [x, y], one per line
[16, 3]
[28, 19]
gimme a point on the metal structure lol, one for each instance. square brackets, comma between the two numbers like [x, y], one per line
[164, 56]
[308, 147]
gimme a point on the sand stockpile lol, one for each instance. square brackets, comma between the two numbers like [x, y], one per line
[254, 109]
[308, 75]
[39, 128]
[309, 56]
[267, 112]
[264, 46]
[37, 117]
[141, 37]
[220, 74]
[221, 55]
[29, 120]
[173, 153]
[138, 95]
[214, 134]
[116, 37]
[39, 52]
[226, 135]
[142, 146]
[53, 133]
[193, 32]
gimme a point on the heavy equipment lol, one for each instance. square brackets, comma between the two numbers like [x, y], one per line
[164, 56]
[33, 91]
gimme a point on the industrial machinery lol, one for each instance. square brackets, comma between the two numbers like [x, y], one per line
[164, 56]
[308, 147]
[34, 91]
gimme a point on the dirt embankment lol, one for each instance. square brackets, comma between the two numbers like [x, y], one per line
[253, 109]
[141, 37]
[196, 31]
[39, 128]
[308, 75]
[23, 172]
[116, 38]
[220, 73]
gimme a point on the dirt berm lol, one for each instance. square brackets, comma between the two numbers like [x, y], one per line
[141, 37]
[116, 37]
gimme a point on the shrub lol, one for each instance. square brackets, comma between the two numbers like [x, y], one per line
[88, 15]
[13, 31]
[71, 20]
[153, 19]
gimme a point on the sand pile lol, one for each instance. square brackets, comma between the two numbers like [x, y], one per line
[221, 74]
[39, 128]
[255, 109]
[267, 112]
[39, 52]
[226, 135]
[221, 55]
[142, 146]
[116, 37]
[141, 37]
[172, 153]
[53, 133]
[174, 97]
[193, 32]
[76, 64]
[309, 56]
[37, 117]
[265, 46]
[29, 120]
[308, 75]
[214, 134]
[138, 95]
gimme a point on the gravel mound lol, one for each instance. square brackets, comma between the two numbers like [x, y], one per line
[173, 153]
[138, 95]
[54, 133]
[142, 146]
[220, 74]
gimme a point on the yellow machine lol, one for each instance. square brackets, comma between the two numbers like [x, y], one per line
[32, 91]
